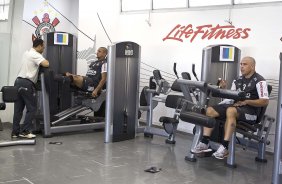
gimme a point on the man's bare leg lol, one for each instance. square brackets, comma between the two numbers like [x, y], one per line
[230, 124]
[203, 145]
[210, 112]
[229, 127]
[77, 79]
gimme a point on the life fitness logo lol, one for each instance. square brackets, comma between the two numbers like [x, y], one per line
[206, 32]
[45, 26]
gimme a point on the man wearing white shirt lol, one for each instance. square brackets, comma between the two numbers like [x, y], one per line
[27, 79]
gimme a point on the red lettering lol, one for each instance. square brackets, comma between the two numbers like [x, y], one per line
[174, 37]
[237, 34]
[185, 32]
[245, 31]
[207, 32]
[199, 30]
[221, 32]
[230, 33]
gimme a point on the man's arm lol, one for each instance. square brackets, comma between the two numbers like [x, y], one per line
[223, 85]
[100, 85]
[263, 100]
[44, 63]
[256, 103]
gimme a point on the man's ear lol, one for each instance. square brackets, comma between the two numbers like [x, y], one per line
[253, 66]
[33, 37]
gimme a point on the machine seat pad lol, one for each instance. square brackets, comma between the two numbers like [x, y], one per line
[95, 103]
[168, 120]
[197, 119]
[247, 127]
[9, 93]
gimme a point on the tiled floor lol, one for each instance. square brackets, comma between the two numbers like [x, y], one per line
[83, 158]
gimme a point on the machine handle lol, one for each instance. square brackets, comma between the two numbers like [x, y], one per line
[174, 69]
[194, 73]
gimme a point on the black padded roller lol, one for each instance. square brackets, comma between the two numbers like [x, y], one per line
[230, 94]
[197, 119]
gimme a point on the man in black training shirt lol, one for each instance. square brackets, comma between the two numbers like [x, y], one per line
[96, 76]
[257, 96]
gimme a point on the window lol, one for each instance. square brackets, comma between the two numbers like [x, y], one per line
[161, 4]
[133, 5]
[4, 9]
[137, 5]
[197, 3]
[254, 1]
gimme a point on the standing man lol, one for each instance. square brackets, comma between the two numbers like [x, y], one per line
[27, 79]
[96, 76]
[255, 87]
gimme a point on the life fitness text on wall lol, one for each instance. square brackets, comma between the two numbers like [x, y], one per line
[180, 33]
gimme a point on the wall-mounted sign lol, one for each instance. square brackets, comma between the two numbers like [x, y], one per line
[206, 32]
[61, 39]
[45, 26]
[226, 53]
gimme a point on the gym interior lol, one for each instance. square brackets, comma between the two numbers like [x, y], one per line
[164, 63]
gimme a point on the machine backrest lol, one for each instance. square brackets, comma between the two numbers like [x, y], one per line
[143, 100]
[186, 75]
[175, 86]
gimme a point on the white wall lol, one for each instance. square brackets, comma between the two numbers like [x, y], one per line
[6, 46]
[263, 42]
[5, 37]
[17, 35]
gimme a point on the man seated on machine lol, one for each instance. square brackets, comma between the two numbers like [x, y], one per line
[96, 76]
[247, 110]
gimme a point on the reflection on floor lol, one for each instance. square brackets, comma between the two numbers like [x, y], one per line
[83, 158]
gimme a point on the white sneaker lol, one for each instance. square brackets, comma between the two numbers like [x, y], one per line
[201, 148]
[221, 152]
[27, 135]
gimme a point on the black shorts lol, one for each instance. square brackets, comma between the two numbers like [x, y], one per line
[88, 84]
[246, 113]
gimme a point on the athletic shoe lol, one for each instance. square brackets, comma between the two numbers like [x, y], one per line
[27, 135]
[201, 148]
[14, 135]
[221, 152]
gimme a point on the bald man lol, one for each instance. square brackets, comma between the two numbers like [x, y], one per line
[248, 110]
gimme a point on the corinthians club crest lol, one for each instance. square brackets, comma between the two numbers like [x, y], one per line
[45, 26]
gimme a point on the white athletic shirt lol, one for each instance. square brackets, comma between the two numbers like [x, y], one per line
[30, 65]
[104, 68]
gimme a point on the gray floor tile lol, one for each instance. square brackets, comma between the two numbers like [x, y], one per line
[83, 158]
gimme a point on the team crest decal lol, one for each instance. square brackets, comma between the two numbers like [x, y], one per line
[44, 26]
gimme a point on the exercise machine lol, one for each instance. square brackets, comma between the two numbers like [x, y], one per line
[122, 91]
[67, 120]
[152, 99]
[277, 163]
[59, 107]
[222, 61]
[253, 136]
